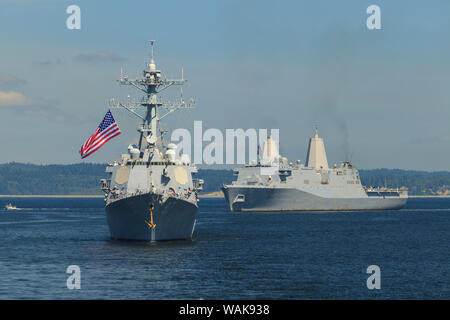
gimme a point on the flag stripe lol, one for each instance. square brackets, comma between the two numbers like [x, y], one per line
[104, 133]
[107, 130]
[92, 150]
[88, 141]
[100, 140]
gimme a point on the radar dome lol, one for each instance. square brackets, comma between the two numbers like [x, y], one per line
[134, 151]
[170, 154]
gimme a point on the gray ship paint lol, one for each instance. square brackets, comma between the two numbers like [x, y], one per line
[151, 194]
[310, 187]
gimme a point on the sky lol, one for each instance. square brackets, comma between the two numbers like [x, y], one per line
[380, 98]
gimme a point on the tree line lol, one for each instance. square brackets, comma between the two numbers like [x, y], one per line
[84, 178]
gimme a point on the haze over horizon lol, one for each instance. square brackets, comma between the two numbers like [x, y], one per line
[379, 97]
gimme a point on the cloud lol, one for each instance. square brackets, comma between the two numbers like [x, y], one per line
[8, 82]
[16, 103]
[101, 56]
[16, 99]
[49, 62]
[48, 112]
[13, 98]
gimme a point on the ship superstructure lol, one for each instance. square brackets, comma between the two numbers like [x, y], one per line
[274, 184]
[151, 193]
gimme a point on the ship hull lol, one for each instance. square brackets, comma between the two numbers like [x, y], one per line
[128, 218]
[290, 199]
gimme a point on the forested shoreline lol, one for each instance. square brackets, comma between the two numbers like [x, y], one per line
[83, 178]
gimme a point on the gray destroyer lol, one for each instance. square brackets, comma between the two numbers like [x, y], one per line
[273, 184]
[151, 194]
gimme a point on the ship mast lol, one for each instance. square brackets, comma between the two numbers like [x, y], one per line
[151, 83]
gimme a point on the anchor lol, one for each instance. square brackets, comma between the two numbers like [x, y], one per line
[150, 224]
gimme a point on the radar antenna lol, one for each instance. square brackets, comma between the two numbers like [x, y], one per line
[151, 83]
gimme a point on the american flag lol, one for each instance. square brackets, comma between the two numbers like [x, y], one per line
[107, 130]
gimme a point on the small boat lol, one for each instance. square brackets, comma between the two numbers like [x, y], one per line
[9, 206]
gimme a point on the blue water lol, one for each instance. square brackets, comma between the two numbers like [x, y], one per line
[232, 256]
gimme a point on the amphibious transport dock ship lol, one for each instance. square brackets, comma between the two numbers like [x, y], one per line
[273, 184]
[151, 194]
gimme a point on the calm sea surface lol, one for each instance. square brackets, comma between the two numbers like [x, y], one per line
[232, 256]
